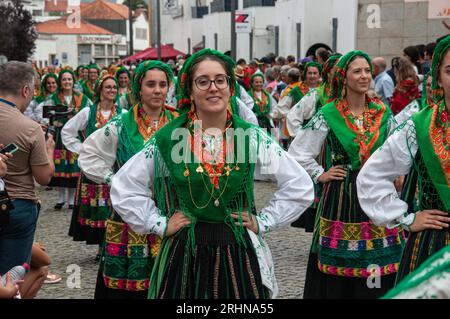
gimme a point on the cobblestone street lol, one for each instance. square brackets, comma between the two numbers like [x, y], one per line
[289, 250]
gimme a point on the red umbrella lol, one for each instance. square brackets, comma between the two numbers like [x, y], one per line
[167, 52]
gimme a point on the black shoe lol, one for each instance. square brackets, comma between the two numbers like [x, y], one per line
[58, 206]
[71, 206]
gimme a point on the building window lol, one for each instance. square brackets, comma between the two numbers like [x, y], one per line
[37, 13]
[99, 50]
[141, 34]
[100, 62]
[110, 50]
[84, 48]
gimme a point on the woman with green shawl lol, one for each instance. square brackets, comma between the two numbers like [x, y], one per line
[193, 185]
[81, 74]
[420, 148]
[49, 85]
[346, 244]
[125, 94]
[66, 165]
[127, 257]
[88, 86]
[308, 105]
[299, 115]
[263, 102]
[92, 204]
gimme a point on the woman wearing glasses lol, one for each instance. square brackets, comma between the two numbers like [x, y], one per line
[92, 204]
[193, 185]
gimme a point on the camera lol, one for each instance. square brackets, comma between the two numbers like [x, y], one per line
[55, 113]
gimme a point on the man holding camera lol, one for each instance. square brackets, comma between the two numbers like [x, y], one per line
[33, 160]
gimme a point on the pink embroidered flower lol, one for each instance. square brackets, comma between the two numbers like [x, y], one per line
[113, 250]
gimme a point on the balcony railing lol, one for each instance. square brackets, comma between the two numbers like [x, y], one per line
[259, 3]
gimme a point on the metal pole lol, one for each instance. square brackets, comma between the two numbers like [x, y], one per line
[158, 22]
[189, 45]
[335, 26]
[204, 41]
[130, 18]
[150, 20]
[277, 40]
[299, 38]
[216, 40]
[233, 29]
[251, 45]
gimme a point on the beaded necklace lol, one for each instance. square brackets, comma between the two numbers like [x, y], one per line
[213, 167]
[146, 125]
[440, 137]
[100, 120]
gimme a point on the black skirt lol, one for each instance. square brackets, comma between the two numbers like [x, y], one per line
[219, 268]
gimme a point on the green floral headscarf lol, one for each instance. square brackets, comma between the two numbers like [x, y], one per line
[338, 81]
[312, 64]
[255, 75]
[121, 70]
[438, 55]
[140, 71]
[183, 89]
[43, 94]
[99, 83]
[329, 65]
[60, 77]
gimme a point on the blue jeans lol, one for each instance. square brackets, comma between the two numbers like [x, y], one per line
[17, 238]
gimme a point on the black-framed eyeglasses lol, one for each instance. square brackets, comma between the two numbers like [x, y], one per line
[204, 83]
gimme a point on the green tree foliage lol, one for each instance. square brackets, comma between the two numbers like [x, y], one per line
[17, 31]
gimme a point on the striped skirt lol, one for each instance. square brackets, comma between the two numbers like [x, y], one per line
[349, 246]
[127, 261]
[66, 165]
[419, 247]
[91, 211]
[218, 268]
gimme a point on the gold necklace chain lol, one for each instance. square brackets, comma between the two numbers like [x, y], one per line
[200, 170]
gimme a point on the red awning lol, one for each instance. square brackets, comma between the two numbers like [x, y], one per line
[167, 52]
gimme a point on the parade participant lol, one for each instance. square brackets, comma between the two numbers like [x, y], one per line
[66, 166]
[264, 103]
[407, 88]
[311, 76]
[89, 85]
[304, 110]
[205, 210]
[420, 148]
[92, 204]
[299, 115]
[125, 93]
[80, 78]
[293, 94]
[127, 257]
[345, 243]
[49, 85]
